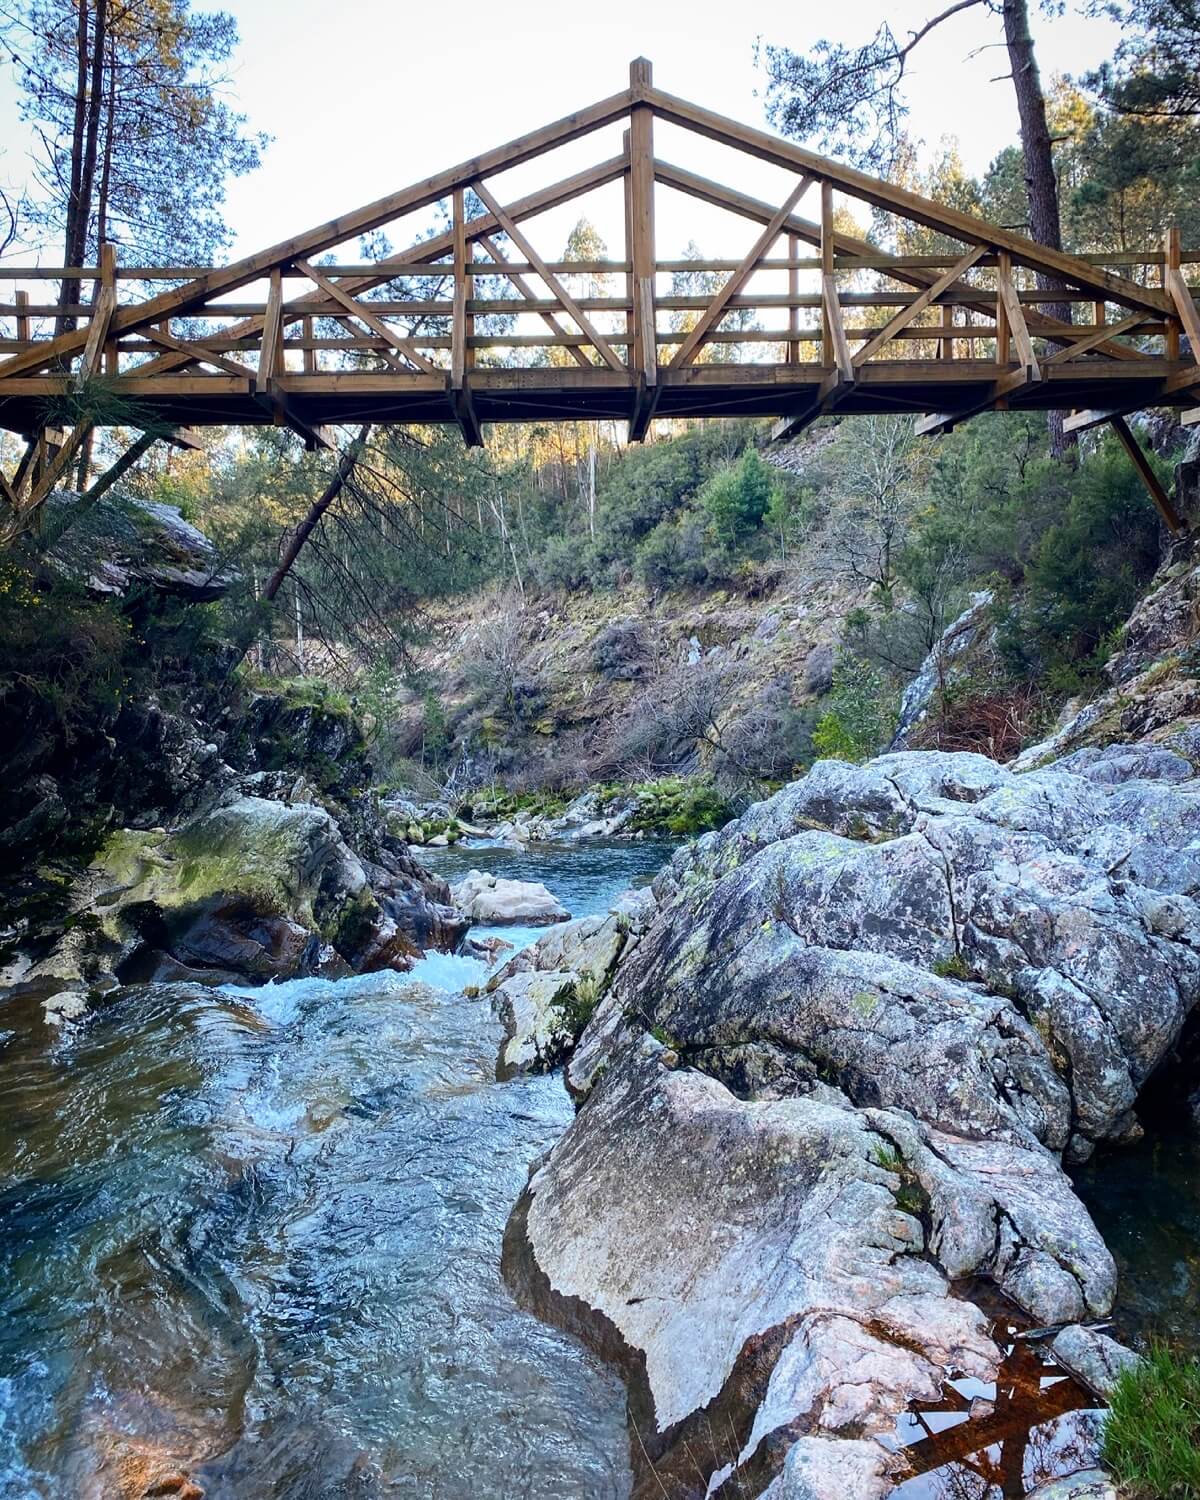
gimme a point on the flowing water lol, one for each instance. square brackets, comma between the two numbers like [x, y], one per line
[254, 1235]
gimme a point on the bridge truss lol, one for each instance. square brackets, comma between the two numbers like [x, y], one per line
[278, 337]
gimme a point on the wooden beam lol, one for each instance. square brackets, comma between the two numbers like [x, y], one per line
[640, 231]
[464, 411]
[270, 359]
[1171, 249]
[793, 348]
[719, 305]
[1171, 517]
[900, 201]
[1181, 297]
[1094, 339]
[360, 311]
[458, 335]
[102, 311]
[195, 351]
[548, 276]
[335, 231]
[836, 332]
[1011, 304]
[827, 252]
[1190, 418]
[527, 292]
[931, 293]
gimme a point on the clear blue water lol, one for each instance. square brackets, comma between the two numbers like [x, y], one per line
[252, 1236]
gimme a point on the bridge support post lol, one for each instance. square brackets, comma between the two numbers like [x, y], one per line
[642, 355]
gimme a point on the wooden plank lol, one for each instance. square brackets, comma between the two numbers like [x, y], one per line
[753, 208]
[198, 352]
[1083, 421]
[793, 348]
[1171, 263]
[836, 334]
[640, 231]
[335, 231]
[1190, 418]
[1171, 517]
[901, 201]
[1016, 319]
[719, 305]
[931, 293]
[548, 276]
[101, 312]
[360, 311]
[1095, 338]
[270, 359]
[527, 292]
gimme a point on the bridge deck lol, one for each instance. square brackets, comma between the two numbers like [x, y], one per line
[577, 394]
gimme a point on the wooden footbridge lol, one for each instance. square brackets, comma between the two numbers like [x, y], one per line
[994, 321]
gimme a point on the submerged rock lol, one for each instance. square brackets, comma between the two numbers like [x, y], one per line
[835, 1079]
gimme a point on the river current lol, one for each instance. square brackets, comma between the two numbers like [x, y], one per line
[253, 1236]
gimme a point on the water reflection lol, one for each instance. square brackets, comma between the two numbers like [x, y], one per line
[998, 1441]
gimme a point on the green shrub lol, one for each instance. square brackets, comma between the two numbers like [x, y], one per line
[1152, 1434]
[860, 718]
[736, 499]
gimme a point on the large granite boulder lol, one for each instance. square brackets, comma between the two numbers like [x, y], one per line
[251, 888]
[832, 1085]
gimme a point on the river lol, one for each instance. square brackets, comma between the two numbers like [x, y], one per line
[253, 1236]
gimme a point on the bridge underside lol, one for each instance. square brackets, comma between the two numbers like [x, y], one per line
[574, 394]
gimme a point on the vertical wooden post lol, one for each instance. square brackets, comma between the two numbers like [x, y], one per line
[270, 360]
[946, 350]
[793, 348]
[644, 353]
[1003, 273]
[1171, 249]
[826, 270]
[22, 301]
[630, 285]
[108, 282]
[310, 355]
[458, 333]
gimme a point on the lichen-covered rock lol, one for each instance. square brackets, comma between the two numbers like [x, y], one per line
[547, 993]
[250, 888]
[839, 1071]
[117, 544]
[1092, 1357]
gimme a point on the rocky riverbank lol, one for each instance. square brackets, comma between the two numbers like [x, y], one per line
[829, 1079]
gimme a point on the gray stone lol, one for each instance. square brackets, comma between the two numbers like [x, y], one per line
[1092, 1357]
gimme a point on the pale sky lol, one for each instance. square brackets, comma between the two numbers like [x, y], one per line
[365, 96]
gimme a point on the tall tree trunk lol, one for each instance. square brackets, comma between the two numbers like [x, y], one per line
[316, 510]
[65, 323]
[91, 144]
[1041, 184]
